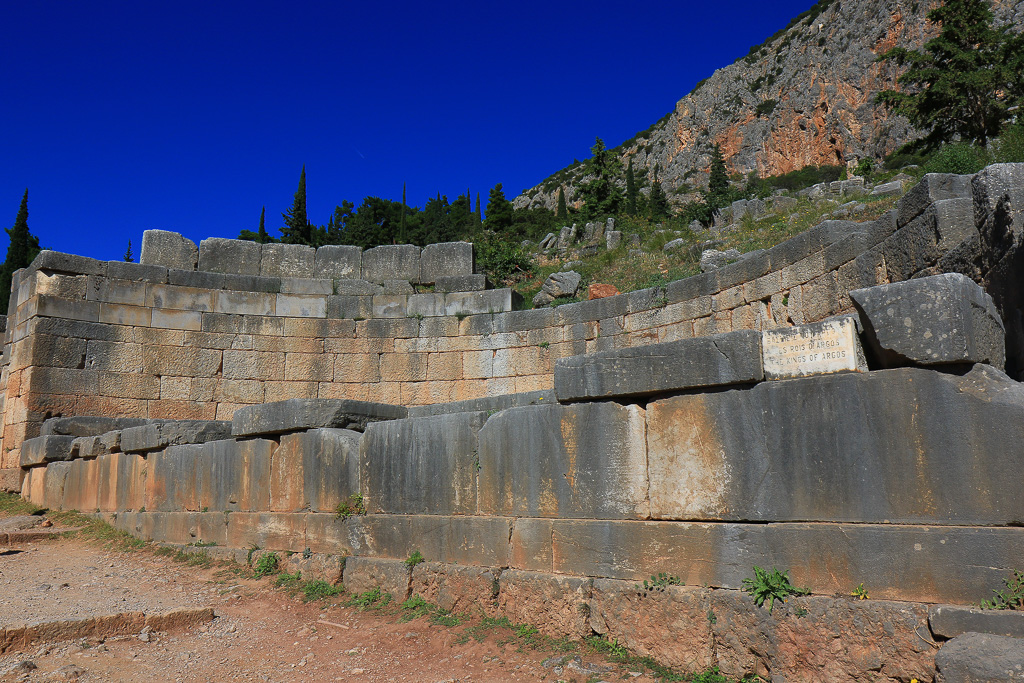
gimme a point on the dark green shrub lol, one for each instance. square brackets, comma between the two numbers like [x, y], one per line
[960, 157]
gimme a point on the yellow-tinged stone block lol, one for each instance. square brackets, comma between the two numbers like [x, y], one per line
[282, 391]
[175, 388]
[253, 365]
[288, 344]
[309, 367]
[242, 391]
[357, 367]
[182, 361]
[403, 367]
[359, 345]
[477, 364]
[444, 366]
[179, 298]
[129, 385]
[182, 410]
[118, 314]
[157, 336]
[177, 320]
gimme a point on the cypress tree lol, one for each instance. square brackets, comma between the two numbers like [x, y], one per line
[479, 215]
[631, 191]
[129, 257]
[718, 180]
[401, 223]
[262, 237]
[23, 249]
[297, 228]
[562, 213]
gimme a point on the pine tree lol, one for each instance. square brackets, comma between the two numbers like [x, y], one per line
[601, 196]
[499, 210]
[23, 249]
[563, 212]
[129, 257]
[966, 80]
[631, 191]
[296, 228]
[657, 202]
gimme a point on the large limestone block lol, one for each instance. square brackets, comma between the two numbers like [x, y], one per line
[902, 446]
[157, 436]
[460, 283]
[422, 465]
[934, 320]
[730, 358]
[584, 460]
[44, 449]
[168, 249]
[317, 470]
[300, 414]
[980, 658]
[88, 425]
[286, 260]
[554, 605]
[933, 187]
[473, 540]
[239, 257]
[391, 576]
[446, 259]
[456, 588]
[391, 262]
[234, 475]
[338, 262]
[949, 621]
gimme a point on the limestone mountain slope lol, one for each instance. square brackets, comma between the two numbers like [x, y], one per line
[804, 97]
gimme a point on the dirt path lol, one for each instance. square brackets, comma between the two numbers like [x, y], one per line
[259, 633]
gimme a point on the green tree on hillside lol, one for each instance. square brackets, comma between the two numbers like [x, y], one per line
[718, 180]
[499, 211]
[129, 256]
[297, 229]
[563, 212]
[261, 234]
[23, 249]
[965, 81]
[631, 191]
[601, 196]
[657, 202]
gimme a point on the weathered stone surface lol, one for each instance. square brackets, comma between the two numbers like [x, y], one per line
[391, 262]
[885, 189]
[446, 259]
[338, 262]
[317, 567]
[612, 239]
[136, 272]
[554, 605]
[460, 283]
[931, 188]
[713, 259]
[585, 460]
[219, 255]
[422, 465]
[980, 658]
[456, 588]
[475, 540]
[798, 450]
[730, 358]
[159, 435]
[88, 425]
[391, 576]
[169, 249]
[44, 449]
[357, 288]
[316, 470]
[10, 479]
[814, 349]
[489, 404]
[949, 621]
[600, 291]
[929, 321]
[286, 260]
[300, 414]
[95, 446]
[561, 284]
[232, 475]
[670, 624]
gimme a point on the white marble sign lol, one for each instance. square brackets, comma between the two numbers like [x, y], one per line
[815, 349]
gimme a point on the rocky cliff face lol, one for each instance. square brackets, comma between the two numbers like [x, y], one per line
[805, 97]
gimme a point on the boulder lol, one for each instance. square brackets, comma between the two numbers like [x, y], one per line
[713, 259]
[612, 239]
[600, 291]
[933, 320]
[673, 245]
[980, 658]
[562, 284]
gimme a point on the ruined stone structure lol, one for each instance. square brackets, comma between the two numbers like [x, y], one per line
[835, 406]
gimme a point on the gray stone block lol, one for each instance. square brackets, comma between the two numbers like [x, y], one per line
[338, 262]
[933, 320]
[460, 283]
[932, 187]
[286, 260]
[950, 621]
[351, 307]
[722, 359]
[95, 446]
[238, 257]
[980, 658]
[330, 466]
[585, 460]
[137, 272]
[231, 475]
[159, 435]
[357, 288]
[692, 287]
[472, 303]
[446, 259]
[473, 540]
[168, 249]
[300, 414]
[490, 404]
[226, 281]
[44, 449]
[397, 287]
[87, 425]
[60, 262]
[799, 450]
[423, 465]
[391, 262]
[885, 189]
[391, 576]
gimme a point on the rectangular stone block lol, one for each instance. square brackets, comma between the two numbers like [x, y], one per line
[338, 262]
[286, 260]
[56, 476]
[364, 574]
[316, 470]
[300, 285]
[460, 283]
[557, 606]
[173, 481]
[447, 259]
[586, 460]
[460, 539]
[246, 303]
[87, 425]
[351, 307]
[391, 262]
[471, 303]
[815, 349]
[272, 531]
[219, 255]
[424, 465]
[390, 306]
[168, 249]
[159, 435]
[59, 262]
[137, 272]
[931, 188]
[44, 449]
[950, 621]
[723, 359]
[228, 281]
[179, 298]
[301, 306]
[456, 588]
[301, 414]
[427, 304]
[113, 291]
[235, 475]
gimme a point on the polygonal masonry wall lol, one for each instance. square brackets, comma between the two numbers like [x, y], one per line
[142, 340]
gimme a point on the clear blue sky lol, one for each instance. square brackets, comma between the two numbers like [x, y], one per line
[124, 116]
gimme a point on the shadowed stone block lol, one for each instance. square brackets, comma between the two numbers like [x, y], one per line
[357, 288]
[730, 358]
[491, 404]
[43, 449]
[460, 283]
[949, 621]
[932, 187]
[219, 255]
[584, 460]
[930, 321]
[391, 262]
[422, 465]
[980, 657]
[88, 425]
[286, 260]
[338, 262]
[155, 437]
[95, 446]
[60, 262]
[168, 249]
[300, 414]
[446, 259]
[474, 540]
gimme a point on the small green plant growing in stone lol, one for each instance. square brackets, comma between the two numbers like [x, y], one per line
[544, 345]
[461, 315]
[266, 565]
[801, 612]
[374, 598]
[319, 590]
[414, 559]
[352, 506]
[1012, 597]
[770, 586]
[860, 593]
[658, 582]
[712, 617]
